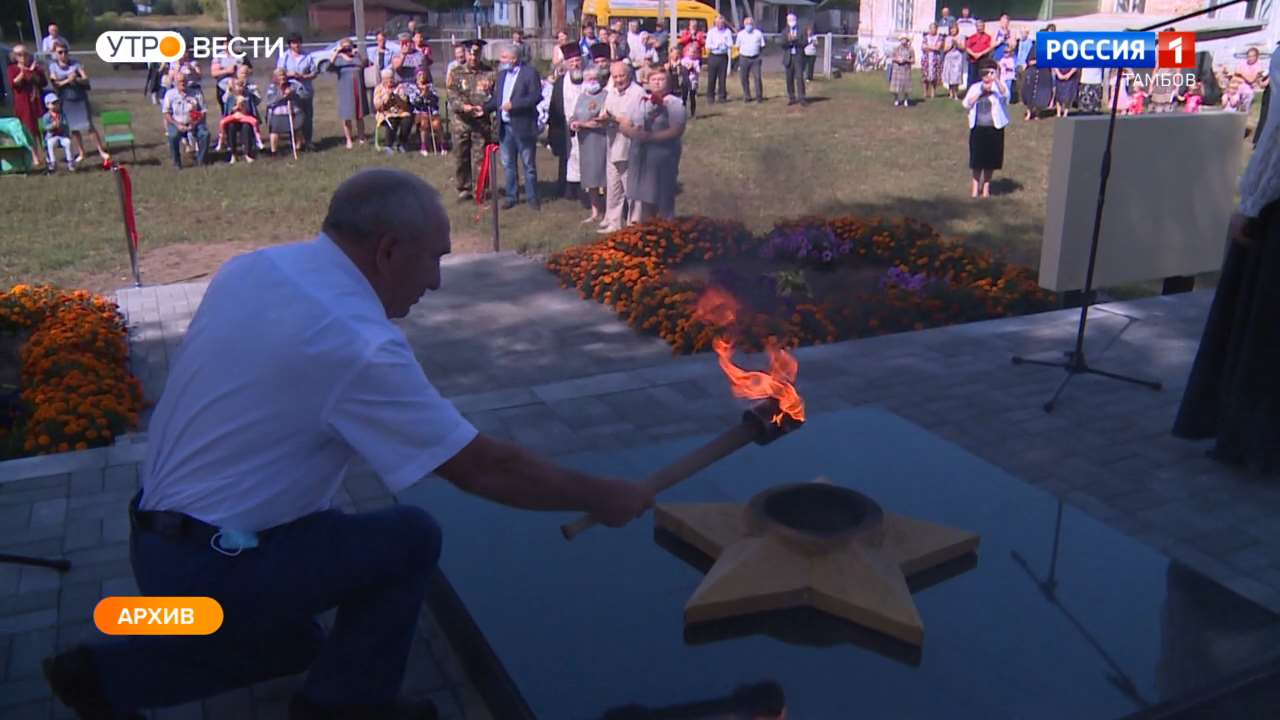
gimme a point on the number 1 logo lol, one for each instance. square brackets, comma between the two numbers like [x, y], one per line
[1176, 50]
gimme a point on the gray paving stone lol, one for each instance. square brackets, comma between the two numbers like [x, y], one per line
[20, 603]
[584, 412]
[21, 622]
[1225, 541]
[42, 482]
[587, 386]
[82, 534]
[25, 536]
[100, 570]
[9, 575]
[15, 516]
[115, 527]
[1251, 558]
[28, 711]
[120, 478]
[77, 600]
[28, 649]
[120, 586]
[26, 497]
[36, 579]
[49, 512]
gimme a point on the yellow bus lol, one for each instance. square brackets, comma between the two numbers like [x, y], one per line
[646, 11]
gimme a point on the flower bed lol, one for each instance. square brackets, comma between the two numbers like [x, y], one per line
[76, 388]
[808, 281]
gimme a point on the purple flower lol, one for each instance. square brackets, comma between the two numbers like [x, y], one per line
[827, 256]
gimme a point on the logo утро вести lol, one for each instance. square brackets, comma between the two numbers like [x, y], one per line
[1116, 49]
[162, 46]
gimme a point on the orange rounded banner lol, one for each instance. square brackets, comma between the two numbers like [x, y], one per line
[158, 615]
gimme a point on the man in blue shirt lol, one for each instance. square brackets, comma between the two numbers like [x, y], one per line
[515, 99]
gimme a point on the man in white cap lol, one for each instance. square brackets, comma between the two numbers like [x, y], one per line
[56, 133]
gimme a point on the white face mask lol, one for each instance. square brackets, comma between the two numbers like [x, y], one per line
[749, 27]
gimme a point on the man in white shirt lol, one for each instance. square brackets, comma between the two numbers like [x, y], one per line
[719, 41]
[184, 118]
[290, 369]
[967, 23]
[636, 49]
[46, 45]
[750, 43]
[623, 99]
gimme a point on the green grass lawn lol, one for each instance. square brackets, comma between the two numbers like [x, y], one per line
[852, 151]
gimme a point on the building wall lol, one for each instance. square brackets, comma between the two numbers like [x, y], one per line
[326, 19]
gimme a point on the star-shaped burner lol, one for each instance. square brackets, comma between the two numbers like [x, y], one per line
[812, 545]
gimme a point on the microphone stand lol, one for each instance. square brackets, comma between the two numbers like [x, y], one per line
[1076, 364]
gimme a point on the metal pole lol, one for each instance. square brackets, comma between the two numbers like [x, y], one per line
[826, 58]
[35, 25]
[358, 6]
[233, 17]
[128, 237]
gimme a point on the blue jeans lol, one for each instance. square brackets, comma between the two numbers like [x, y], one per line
[372, 566]
[175, 143]
[513, 144]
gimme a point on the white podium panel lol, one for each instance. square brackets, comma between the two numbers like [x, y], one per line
[1169, 198]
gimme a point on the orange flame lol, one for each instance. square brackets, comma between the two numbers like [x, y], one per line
[720, 309]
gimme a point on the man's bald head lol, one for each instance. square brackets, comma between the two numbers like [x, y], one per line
[394, 228]
[380, 201]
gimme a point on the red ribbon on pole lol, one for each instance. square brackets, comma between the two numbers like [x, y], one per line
[482, 177]
[125, 186]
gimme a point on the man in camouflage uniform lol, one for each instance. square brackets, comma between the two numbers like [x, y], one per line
[471, 127]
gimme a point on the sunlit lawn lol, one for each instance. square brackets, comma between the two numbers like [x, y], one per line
[852, 151]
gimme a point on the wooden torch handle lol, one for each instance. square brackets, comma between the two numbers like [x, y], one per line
[722, 445]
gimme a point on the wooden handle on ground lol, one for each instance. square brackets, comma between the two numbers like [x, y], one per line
[722, 445]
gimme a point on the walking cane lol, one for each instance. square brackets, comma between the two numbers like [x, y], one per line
[293, 144]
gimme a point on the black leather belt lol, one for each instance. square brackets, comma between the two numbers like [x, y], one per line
[169, 524]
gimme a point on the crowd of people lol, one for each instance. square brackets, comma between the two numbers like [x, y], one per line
[953, 51]
[988, 70]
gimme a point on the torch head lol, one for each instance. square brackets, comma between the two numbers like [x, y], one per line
[762, 416]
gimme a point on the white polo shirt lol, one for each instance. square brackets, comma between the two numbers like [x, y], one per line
[290, 368]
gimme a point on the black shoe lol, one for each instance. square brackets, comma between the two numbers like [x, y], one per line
[748, 99]
[72, 678]
[791, 102]
[465, 195]
[302, 709]
[508, 204]
[805, 103]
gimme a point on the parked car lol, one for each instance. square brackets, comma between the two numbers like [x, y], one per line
[324, 55]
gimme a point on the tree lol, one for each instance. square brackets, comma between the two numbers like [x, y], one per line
[269, 9]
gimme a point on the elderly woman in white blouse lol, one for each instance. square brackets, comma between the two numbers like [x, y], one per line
[988, 104]
[1233, 393]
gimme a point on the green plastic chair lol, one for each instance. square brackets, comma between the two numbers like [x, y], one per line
[118, 119]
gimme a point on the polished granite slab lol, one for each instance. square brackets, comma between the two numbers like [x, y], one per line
[1060, 617]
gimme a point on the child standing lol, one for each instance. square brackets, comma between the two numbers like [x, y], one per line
[1138, 101]
[1009, 69]
[691, 61]
[1232, 101]
[55, 133]
[1192, 97]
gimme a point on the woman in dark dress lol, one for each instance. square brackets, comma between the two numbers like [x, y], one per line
[1233, 393]
[26, 77]
[1037, 86]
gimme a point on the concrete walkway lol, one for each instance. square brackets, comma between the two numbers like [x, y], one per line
[528, 361]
